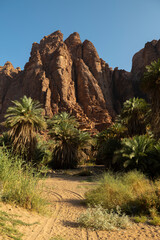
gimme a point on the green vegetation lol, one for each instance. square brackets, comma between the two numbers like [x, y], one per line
[132, 191]
[59, 118]
[128, 144]
[141, 153]
[8, 224]
[57, 238]
[43, 152]
[108, 141]
[24, 120]
[124, 147]
[19, 183]
[151, 85]
[140, 219]
[69, 141]
[102, 219]
[135, 115]
[66, 146]
[155, 221]
[106, 151]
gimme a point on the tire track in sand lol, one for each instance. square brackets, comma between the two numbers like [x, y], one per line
[62, 200]
[40, 231]
[84, 231]
[88, 235]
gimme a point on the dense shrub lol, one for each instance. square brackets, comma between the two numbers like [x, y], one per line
[102, 219]
[135, 115]
[141, 153]
[19, 182]
[106, 152]
[108, 141]
[150, 83]
[69, 141]
[43, 152]
[5, 140]
[132, 191]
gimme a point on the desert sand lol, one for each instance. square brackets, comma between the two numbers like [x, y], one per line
[66, 194]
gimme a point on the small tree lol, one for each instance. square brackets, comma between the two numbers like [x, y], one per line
[141, 153]
[62, 117]
[69, 141]
[24, 120]
[135, 115]
[108, 141]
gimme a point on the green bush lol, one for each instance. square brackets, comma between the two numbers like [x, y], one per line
[43, 152]
[132, 191]
[5, 140]
[106, 152]
[102, 219]
[150, 83]
[19, 183]
[135, 115]
[69, 141]
[108, 141]
[141, 153]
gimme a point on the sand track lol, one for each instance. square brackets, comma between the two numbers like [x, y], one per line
[66, 195]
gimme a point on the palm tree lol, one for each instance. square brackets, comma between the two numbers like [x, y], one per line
[69, 141]
[150, 83]
[141, 153]
[62, 117]
[108, 141]
[135, 116]
[24, 120]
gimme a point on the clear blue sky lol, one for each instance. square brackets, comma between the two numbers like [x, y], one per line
[117, 28]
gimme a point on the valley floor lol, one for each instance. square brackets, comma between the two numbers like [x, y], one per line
[65, 194]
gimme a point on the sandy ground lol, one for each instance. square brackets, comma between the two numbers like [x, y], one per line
[66, 194]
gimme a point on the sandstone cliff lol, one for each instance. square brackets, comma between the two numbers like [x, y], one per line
[70, 76]
[144, 57]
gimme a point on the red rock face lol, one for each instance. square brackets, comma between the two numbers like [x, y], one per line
[8, 80]
[144, 57]
[69, 76]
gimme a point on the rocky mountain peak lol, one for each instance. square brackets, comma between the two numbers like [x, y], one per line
[70, 76]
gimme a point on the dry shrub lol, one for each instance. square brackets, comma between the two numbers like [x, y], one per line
[102, 219]
[132, 191]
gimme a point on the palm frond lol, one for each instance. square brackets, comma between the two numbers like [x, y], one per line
[24, 120]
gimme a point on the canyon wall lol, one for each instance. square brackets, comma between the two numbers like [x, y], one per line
[70, 76]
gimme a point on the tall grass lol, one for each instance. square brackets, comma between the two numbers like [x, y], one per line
[19, 183]
[132, 191]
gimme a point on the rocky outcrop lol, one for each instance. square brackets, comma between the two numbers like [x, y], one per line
[62, 79]
[8, 79]
[122, 88]
[144, 57]
[70, 76]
